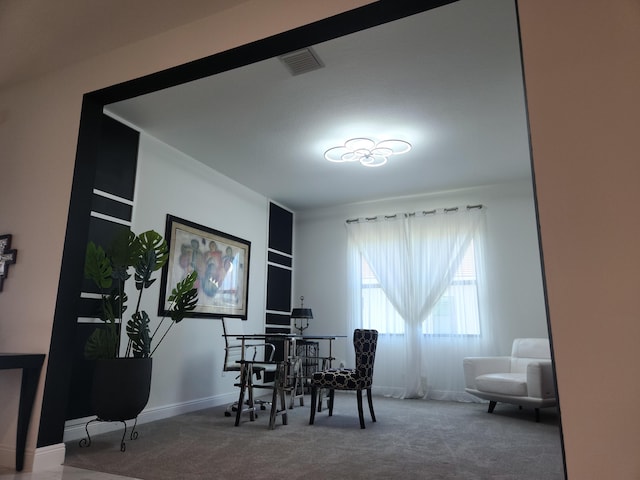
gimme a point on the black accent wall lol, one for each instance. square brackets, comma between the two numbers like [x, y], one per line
[280, 229]
[111, 209]
[279, 274]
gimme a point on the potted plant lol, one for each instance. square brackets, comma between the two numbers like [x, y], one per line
[122, 382]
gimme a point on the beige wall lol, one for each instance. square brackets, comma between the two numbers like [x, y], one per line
[582, 71]
[582, 82]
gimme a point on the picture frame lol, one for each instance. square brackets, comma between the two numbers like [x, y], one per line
[222, 263]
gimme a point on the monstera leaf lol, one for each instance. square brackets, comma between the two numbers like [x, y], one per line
[152, 256]
[183, 298]
[144, 270]
[124, 252]
[102, 343]
[138, 333]
[114, 306]
[97, 266]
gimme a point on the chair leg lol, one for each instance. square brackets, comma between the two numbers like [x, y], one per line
[250, 401]
[332, 394]
[369, 399]
[320, 395]
[492, 405]
[282, 388]
[312, 415]
[241, 396]
[360, 412]
[274, 404]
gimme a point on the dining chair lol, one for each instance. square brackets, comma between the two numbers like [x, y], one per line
[359, 378]
[235, 352]
[278, 388]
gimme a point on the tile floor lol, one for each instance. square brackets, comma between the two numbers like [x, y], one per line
[59, 473]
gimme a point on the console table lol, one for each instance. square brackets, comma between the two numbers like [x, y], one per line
[31, 365]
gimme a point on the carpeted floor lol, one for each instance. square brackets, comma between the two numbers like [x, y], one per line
[412, 439]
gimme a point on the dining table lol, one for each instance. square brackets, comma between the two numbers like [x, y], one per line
[292, 359]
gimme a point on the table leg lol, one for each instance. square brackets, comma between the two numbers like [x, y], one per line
[30, 377]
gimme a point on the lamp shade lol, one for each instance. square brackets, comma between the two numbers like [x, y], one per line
[301, 313]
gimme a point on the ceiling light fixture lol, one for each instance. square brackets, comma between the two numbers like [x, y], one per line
[366, 151]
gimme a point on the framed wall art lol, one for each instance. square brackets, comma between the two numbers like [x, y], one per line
[221, 262]
[7, 257]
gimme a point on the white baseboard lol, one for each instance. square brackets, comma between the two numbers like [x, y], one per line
[48, 457]
[44, 458]
[8, 456]
[74, 430]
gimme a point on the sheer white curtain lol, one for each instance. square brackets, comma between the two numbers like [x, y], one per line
[412, 261]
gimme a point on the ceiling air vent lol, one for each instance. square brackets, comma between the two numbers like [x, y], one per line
[301, 61]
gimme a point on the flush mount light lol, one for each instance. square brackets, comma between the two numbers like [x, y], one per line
[366, 151]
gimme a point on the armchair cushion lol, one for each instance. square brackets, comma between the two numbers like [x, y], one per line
[503, 383]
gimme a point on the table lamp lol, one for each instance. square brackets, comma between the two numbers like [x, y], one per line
[302, 314]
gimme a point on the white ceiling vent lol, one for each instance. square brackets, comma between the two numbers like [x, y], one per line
[301, 61]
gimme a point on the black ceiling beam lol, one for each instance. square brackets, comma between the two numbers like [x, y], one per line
[377, 13]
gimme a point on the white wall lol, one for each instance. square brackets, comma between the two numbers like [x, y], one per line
[515, 278]
[187, 368]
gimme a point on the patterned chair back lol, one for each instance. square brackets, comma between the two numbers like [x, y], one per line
[365, 343]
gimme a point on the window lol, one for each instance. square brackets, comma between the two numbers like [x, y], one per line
[377, 311]
[456, 313]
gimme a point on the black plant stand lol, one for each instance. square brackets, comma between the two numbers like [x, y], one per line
[86, 442]
[120, 392]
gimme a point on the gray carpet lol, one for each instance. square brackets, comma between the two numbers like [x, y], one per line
[412, 439]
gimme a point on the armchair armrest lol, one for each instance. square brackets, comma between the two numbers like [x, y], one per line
[540, 382]
[476, 366]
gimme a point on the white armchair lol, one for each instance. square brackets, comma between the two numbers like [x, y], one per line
[525, 378]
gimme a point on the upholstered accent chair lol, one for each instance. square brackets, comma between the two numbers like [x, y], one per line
[525, 378]
[359, 378]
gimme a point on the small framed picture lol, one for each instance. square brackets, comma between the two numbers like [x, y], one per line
[7, 257]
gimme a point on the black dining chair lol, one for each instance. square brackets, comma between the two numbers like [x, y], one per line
[359, 378]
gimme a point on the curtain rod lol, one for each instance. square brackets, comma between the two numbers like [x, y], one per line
[412, 214]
